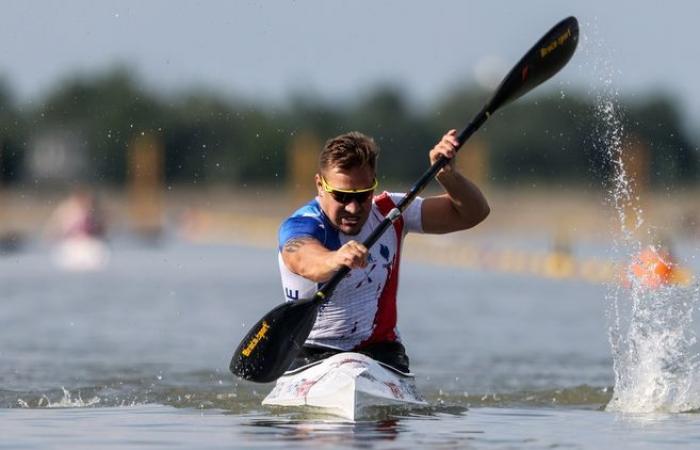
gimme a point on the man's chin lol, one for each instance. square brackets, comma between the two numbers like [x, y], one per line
[350, 230]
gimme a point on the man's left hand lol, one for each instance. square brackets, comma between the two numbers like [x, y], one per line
[447, 148]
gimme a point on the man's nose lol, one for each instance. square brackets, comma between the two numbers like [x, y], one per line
[353, 207]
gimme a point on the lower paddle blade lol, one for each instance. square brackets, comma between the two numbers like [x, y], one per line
[271, 345]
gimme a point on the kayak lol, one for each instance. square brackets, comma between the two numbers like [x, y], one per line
[348, 385]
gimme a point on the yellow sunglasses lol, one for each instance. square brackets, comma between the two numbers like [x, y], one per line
[346, 196]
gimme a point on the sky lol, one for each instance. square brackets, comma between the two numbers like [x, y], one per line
[268, 50]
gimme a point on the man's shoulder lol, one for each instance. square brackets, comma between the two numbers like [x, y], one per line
[386, 201]
[311, 209]
[308, 220]
[411, 216]
[382, 199]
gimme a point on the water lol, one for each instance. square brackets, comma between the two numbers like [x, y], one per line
[137, 356]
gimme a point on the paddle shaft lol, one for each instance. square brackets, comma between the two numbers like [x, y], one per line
[393, 215]
[556, 46]
[271, 344]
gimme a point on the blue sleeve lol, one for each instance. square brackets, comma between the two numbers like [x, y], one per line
[298, 226]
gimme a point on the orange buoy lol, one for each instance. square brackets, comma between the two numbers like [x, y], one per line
[652, 268]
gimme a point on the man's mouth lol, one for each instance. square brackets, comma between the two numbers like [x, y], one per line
[351, 220]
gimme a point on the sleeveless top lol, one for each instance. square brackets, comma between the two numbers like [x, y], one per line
[362, 309]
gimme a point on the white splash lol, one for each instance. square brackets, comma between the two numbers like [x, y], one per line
[68, 401]
[650, 328]
[655, 365]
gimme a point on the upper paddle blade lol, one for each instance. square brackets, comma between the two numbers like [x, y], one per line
[271, 345]
[544, 59]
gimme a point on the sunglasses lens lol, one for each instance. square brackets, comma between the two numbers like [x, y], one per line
[349, 197]
[345, 197]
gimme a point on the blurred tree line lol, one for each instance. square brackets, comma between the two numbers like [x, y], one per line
[207, 138]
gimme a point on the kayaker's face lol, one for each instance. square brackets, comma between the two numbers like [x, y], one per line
[347, 212]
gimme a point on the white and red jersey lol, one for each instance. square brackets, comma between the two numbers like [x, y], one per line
[362, 309]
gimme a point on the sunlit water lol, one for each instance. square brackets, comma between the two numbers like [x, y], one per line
[137, 355]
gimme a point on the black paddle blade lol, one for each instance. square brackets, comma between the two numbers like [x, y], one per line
[268, 349]
[540, 63]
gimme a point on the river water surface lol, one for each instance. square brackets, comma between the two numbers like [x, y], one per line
[136, 356]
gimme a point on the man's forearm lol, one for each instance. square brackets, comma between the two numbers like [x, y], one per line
[309, 261]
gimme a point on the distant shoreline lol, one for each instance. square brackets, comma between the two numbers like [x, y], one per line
[222, 213]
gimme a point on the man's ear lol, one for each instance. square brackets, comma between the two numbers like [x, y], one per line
[319, 184]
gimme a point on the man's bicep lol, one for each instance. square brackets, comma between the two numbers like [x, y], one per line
[301, 244]
[294, 244]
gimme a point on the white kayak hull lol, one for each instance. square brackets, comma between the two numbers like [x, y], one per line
[348, 385]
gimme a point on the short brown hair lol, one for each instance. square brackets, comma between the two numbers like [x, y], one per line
[348, 151]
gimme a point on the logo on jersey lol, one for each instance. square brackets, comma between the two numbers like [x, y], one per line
[292, 295]
[368, 272]
[372, 264]
[384, 251]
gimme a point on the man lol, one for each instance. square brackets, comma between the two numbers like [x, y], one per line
[326, 234]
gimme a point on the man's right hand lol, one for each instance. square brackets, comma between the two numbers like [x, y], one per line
[352, 254]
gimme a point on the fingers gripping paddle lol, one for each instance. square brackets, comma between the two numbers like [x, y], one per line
[268, 349]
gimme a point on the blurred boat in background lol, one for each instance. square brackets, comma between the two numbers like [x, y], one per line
[81, 253]
[78, 227]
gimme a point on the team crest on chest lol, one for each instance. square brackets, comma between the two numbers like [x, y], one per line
[369, 273]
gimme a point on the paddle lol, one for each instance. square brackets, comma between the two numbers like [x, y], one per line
[269, 347]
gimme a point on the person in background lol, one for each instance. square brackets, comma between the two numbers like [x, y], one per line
[78, 216]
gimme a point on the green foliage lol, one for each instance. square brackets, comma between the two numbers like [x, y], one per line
[209, 138]
[656, 121]
[544, 139]
[402, 135]
[108, 111]
[12, 137]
